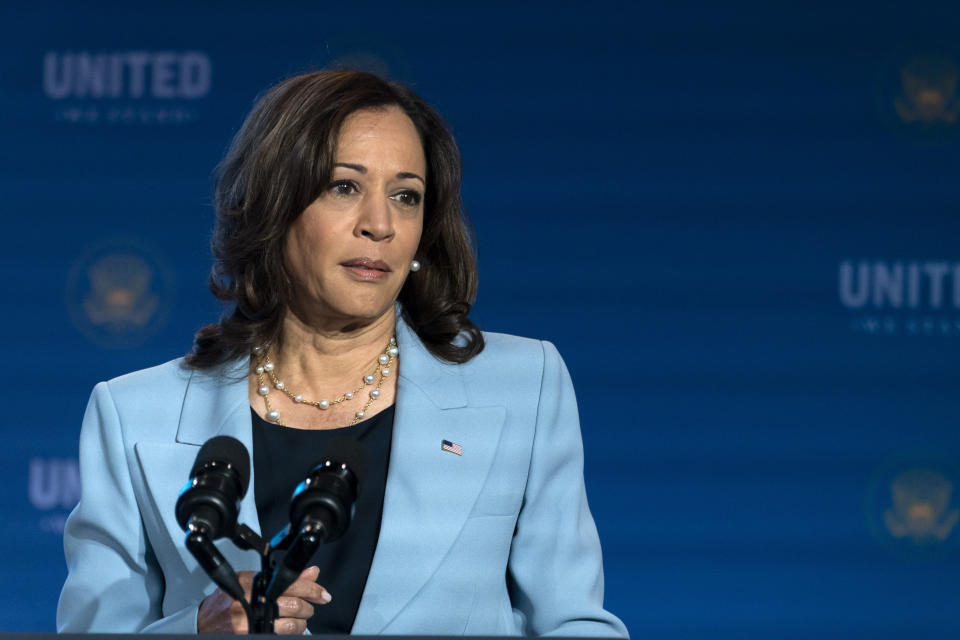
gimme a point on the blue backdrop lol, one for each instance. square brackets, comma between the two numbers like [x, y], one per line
[739, 225]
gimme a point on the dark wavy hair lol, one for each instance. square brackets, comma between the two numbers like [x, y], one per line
[278, 163]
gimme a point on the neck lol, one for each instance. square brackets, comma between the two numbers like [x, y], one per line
[315, 360]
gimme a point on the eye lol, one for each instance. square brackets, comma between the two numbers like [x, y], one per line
[343, 188]
[408, 197]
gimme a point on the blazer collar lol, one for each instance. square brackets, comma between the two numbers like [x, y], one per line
[216, 403]
[439, 381]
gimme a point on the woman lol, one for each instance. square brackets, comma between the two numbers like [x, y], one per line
[343, 250]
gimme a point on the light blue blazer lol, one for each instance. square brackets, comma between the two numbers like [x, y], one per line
[498, 541]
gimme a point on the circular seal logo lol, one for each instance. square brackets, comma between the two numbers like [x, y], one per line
[918, 96]
[928, 92]
[913, 507]
[119, 293]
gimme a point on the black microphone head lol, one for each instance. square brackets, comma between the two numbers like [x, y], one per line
[224, 449]
[328, 494]
[349, 452]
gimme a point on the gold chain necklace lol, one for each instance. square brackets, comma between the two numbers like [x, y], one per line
[266, 367]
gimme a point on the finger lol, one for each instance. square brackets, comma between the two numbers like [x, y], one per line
[246, 581]
[238, 618]
[306, 588]
[294, 607]
[309, 591]
[290, 626]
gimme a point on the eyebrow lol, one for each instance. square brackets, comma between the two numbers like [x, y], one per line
[362, 169]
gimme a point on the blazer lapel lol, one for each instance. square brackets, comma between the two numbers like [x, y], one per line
[430, 492]
[214, 403]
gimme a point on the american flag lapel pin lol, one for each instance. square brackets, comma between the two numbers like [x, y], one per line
[452, 447]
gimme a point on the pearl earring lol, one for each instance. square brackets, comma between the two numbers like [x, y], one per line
[414, 265]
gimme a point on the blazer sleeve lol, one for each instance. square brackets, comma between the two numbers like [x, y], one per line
[114, 583]
[555, 570]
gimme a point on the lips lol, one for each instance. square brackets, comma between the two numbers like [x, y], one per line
[366, 264]
[367, 269]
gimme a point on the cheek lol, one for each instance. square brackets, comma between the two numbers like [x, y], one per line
[306, 250]
[415, 234]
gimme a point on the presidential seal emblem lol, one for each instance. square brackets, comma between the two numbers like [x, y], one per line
[119, 294]
[918, 96]
[913, 507]
[928, 92]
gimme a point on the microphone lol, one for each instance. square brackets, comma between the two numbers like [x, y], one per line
[209, 503]
[322, 508]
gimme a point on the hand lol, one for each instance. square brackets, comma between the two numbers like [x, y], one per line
[219, 613]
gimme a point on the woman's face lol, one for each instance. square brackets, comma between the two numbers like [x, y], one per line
[349, 252]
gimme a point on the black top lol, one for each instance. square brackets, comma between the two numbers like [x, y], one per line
[282, 458]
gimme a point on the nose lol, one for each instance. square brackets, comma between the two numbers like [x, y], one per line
[375, 220]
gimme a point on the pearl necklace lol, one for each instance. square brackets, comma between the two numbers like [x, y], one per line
[375, 379]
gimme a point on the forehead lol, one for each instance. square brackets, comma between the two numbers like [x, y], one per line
[387, 134]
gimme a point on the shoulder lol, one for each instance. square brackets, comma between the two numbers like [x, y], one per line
[139, 399]
[154, 385]
[513, 366]
[507, 353]
[172, 373]
[171, 377]
[498, 342]
[152, 399]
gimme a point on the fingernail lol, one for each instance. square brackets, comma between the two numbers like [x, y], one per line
[315, 570]
[326, 597]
